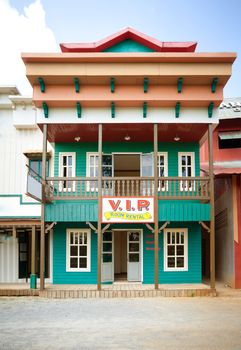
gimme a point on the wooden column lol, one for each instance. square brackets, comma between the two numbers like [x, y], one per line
[33, 251]
[99, 205]
[156, 204]
[42, 234]
[212, 203]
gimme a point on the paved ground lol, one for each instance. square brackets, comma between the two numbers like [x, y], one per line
[154, 323]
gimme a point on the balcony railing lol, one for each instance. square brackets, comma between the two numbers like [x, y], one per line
[191, 188]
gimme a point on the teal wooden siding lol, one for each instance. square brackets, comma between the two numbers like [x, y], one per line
[128, 45]
[171, 147]
[60, 275]
[82, 211]
[194, 273]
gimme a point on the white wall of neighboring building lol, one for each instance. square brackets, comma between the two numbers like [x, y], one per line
[18, 134]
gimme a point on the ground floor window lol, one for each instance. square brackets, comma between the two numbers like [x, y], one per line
[78, 250]
[175, 249]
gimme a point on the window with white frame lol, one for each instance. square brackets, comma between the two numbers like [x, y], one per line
[92, 168]
[176, 249]
[186, 168]
[78, 250]
[67, 169]
[162, 170]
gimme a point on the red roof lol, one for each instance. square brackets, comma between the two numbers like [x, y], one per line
[129, 33]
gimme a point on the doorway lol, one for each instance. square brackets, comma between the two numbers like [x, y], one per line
[127, 165]
[120, 252]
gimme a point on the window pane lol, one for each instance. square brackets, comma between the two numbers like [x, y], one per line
[107, 247]
[107, 236]
[171, 250]
[71, 238]
[184, 171]
[107, 258]
[188, 160]
[180, 249]
[173, 237]
[73, 262]
[161, 160]
[168, 237]
[83, 250]
[180, 262]
[182, 237]
[134, 257]
[177, 237]
[107, 171]
[34, 166]
[85, 238]
[134, 247]
[74, 250]
[161, 172]
[76, 238]
[107, 160]
[69, 160]
[64, 160]
[92, 160]
[171, 262]
[83, 262]
[189, 171]
[64, 172]
[183, 160]
[134, 236]
[92, 172]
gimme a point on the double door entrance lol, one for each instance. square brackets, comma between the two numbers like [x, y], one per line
[122, 256]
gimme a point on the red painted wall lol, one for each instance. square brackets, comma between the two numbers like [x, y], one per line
[237, 251]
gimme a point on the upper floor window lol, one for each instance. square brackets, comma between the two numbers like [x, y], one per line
[229, 139]
[162, 165]
[186, 168]
[35, 165]
[92, 165]
[67, 169]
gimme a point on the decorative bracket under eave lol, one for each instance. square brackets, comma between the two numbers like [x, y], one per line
[179, 85]
[112, 109]
[112, 85]
[204, 226]
[160, 229]
[145, 85]
[144, 109]
[50, 226]
[79, 110]
[95, 229]
[41, 84]
[46, 109]
[76, 84]
[214, 85]
[177, 109]
[210, 109]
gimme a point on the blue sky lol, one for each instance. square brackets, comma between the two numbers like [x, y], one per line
[214, 24]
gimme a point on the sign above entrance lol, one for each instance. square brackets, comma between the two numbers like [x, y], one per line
[127, 209]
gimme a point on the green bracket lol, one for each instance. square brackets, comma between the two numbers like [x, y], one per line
[42, 85]
[177, 109]
[76, 84]
[179, 85]
[144, 109]
[214, 85]
[210, 110]
[112, 110]
[78, 107]
[46, 109]
[146, 84]
[112, 85]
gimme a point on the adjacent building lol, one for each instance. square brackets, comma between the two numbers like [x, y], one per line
[227, 170]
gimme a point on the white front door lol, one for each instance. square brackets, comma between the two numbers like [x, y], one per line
[134, 255]
[107, 265]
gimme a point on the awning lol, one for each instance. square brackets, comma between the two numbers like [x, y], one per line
[230, 135]
[219, 169]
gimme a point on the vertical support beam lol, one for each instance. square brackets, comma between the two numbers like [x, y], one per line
[99, 205]
[212, 203]
[156, 205]
[33, 279]
[42, 234]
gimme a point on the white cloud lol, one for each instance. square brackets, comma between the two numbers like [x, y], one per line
[22, 33]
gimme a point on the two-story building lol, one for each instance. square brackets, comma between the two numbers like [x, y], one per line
[126, 117]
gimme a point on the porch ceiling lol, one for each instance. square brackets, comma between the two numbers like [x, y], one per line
[117, 132]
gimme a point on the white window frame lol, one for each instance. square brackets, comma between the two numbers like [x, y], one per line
[165, 155]
[95, 154]
[170, 269]
[61, 155]
[74, 269]
[183, 184]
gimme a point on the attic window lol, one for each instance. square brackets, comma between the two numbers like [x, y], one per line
[229, 139]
